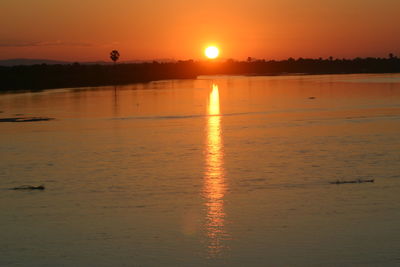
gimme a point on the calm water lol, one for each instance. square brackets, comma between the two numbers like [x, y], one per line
[216, 171]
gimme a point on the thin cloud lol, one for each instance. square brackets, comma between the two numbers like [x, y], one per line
[42, 43]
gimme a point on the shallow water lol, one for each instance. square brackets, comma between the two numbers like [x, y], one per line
[231, 171]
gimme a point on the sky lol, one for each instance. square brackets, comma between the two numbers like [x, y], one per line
[87, 30]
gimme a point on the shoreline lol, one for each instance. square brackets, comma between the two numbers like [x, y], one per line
[25, 90]
[42, 77]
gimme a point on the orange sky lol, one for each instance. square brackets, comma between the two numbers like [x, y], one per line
[85, 30]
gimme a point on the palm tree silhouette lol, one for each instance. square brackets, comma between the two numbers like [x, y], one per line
[114, 55]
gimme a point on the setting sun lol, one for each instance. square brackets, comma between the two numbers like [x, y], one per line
[211, 52]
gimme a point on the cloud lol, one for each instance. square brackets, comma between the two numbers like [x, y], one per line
[42, 43]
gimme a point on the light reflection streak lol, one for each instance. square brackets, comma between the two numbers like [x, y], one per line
[214, 178]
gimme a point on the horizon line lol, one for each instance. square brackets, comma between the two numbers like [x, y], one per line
[389, 55]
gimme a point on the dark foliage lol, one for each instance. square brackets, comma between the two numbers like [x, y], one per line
[114, 55]
[76, 75]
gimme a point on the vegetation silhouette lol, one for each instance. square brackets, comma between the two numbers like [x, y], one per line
[36, 77]
[114, 55]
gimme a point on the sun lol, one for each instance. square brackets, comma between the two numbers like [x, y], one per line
[211, 52]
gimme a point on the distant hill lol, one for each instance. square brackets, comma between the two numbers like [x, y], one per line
[28, 61]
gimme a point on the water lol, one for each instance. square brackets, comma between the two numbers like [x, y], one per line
[216, 171]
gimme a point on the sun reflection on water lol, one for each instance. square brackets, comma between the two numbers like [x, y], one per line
[214, 182]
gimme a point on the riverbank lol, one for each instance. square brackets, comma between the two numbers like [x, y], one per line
[37, 77]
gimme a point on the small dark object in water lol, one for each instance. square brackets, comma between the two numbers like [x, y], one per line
[312, 97]
[359, 181]
[25, 119]
[29, 187]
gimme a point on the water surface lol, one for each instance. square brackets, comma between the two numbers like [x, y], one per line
[216, 171]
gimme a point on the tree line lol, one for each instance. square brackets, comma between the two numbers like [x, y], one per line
[43, 76]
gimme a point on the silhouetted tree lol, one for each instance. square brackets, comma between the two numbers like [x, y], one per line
[114, 55]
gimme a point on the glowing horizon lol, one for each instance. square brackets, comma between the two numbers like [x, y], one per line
[88, 31]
